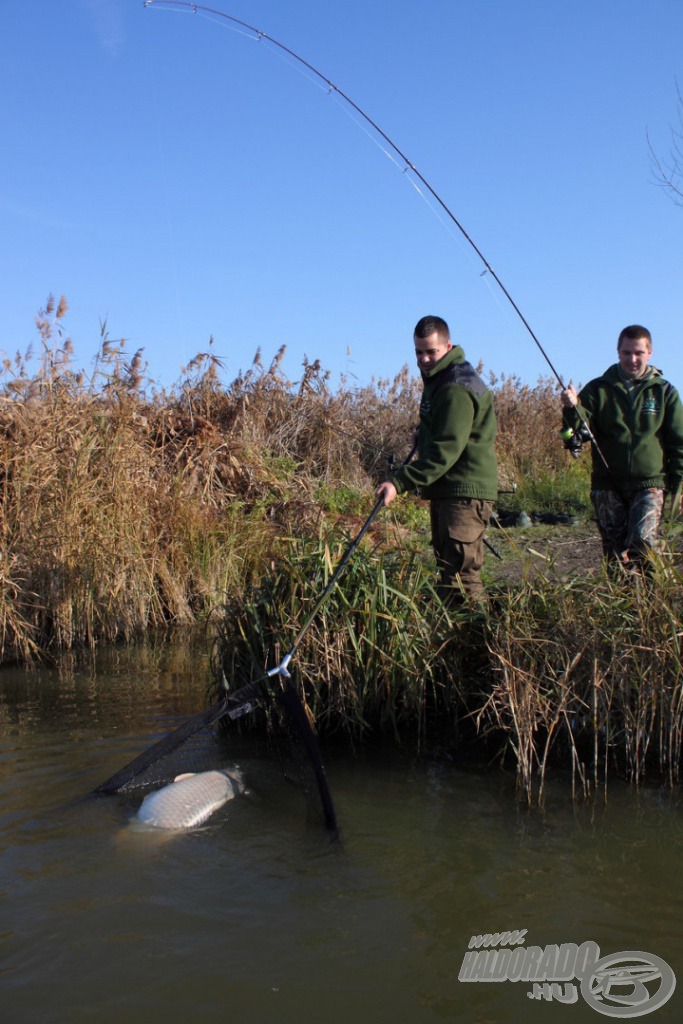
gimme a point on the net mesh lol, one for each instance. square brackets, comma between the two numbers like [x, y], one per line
[253, 723]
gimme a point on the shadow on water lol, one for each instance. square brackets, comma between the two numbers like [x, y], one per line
[259, 917]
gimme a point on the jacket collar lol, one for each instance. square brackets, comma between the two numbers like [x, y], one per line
[456, 355]
[612, 376]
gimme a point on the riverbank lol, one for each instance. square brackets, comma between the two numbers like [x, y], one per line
[125, 509]
[580, 670]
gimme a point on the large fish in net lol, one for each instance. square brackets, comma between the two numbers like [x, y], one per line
[209, 740]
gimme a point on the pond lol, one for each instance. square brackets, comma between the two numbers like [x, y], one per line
[260, 917]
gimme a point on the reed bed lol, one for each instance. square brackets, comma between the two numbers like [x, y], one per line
[589, 673]
[125, 507]
[378, 657]
[584, 674]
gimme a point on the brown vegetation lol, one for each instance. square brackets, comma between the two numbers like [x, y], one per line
[124, 507]
[585, 673]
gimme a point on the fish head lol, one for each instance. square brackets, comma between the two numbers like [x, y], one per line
[237, 779]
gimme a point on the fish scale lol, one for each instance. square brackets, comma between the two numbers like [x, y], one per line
[190, 800]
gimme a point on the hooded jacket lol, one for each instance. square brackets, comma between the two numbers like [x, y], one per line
[456, 457]
[639, 430]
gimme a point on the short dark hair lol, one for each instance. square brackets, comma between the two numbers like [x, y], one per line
[634, 333]
[428, 324]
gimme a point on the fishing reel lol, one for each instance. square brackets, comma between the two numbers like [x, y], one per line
[574, 441]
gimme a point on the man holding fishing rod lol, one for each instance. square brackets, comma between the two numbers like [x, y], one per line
[456, 468]
[636, 418]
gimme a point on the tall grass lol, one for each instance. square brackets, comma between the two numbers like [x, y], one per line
[592, 670]
[381, 655]
[124, 506]
[582, 674]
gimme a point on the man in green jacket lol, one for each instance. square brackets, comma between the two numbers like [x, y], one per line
[636, 418]
[456, 467]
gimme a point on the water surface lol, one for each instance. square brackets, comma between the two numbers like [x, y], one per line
[258, 917]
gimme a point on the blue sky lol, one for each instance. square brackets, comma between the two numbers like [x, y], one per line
[182, 181]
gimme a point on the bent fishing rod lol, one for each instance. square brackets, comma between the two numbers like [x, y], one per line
[259, 35]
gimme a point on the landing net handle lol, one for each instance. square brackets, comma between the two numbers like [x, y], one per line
[248, 698]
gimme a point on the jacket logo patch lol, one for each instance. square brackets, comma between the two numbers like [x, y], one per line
[650, 406]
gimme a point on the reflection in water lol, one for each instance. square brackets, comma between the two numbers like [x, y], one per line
[258, 917]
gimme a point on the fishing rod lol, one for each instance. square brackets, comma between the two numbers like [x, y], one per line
[259, 35]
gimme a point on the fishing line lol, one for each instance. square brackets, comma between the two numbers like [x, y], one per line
[402, 167]
[301, 62]
[294, 64]
[405, 170]
[343, 102]
[409, 166]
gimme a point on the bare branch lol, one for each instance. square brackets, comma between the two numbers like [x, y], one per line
[668, 173]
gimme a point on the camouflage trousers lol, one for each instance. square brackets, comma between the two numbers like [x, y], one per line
[629, 525]
[458, 526]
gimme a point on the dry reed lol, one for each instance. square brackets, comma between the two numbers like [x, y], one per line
[124, 507]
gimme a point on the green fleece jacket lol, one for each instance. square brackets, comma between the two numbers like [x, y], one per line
[456, 458]
[639, 430]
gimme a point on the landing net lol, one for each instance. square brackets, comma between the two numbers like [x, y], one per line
[262, 720]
